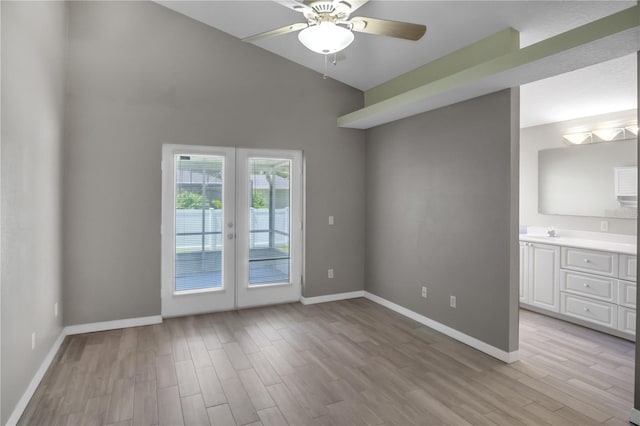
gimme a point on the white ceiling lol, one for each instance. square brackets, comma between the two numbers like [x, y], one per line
[371, 60]
[607, 87]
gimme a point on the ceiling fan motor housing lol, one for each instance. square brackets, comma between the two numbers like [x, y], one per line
[323, 10]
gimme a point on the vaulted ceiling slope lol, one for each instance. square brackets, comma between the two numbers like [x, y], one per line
[451, 25]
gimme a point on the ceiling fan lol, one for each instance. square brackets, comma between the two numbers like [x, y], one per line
[329, 29]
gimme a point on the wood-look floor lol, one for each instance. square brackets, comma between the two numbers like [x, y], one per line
[341, 363]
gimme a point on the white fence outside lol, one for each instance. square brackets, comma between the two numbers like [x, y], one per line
[193, 222]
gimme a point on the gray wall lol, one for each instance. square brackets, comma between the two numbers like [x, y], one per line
[33, 39]
[532, 140]
[441, 212]
[141, 75]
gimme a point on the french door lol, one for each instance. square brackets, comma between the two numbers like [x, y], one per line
[231, 228]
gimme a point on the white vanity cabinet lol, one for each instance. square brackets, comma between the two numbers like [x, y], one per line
[539, 275]
[591, 286]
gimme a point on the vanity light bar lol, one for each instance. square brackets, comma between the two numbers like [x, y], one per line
[602, 135]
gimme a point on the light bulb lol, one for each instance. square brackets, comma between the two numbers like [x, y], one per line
[325, 38]
[632, 129]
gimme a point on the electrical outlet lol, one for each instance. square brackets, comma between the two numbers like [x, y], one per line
[604, 226]
[33, 340]
[424, 292]
[55, 309]
[330, 220]
[452, 301]
[330, 273]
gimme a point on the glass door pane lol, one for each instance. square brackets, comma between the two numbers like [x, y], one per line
[198, 222]
[269, 221]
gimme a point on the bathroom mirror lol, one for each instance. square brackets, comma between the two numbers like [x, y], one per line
[580, 181]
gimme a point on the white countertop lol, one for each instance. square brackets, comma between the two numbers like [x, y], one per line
[585, 243]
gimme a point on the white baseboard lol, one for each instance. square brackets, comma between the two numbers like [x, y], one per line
[507, 357]
[67, 331]
[634, 416]
[112, 325]
[331, 297]
[33, 385]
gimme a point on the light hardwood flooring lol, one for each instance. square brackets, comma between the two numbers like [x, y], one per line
[341, 363]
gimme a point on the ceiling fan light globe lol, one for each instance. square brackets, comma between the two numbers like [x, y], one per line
[325, 38]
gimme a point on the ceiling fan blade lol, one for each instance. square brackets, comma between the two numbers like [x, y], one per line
[355, 4]
[384, 27]
[294, 5]
[279, 31]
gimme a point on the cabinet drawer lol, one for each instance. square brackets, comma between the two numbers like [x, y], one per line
[597, 262]
[589, 285]
[627, 294]
[627, 320]
[602, 313]
[628, 267]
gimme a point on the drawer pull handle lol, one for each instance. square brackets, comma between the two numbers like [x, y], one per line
[586, 261]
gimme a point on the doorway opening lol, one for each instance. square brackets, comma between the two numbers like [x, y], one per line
[578, 299]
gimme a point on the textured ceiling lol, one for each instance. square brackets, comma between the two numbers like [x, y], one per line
[607, 87]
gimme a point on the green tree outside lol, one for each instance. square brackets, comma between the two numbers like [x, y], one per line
[189, 201]
[257, 201]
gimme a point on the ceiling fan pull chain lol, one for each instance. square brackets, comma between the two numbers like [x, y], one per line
[326, 64]
[335, 59]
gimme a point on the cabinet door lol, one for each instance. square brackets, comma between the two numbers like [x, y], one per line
[544, 270]
[627, 320]
[524, 278]
[627, 294]
[628, 267]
